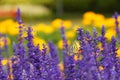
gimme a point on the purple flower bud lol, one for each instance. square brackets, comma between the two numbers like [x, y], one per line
[18, 18]
[103, 31]
[65, 43]
[3, 75]
[54, 52]
[115, 15]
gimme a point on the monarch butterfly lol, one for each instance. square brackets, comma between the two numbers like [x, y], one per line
[74, 48]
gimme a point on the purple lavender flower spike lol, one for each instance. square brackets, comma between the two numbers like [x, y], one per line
[102, 38]
[103, 31]
[65, 43]
[69, 62]
[18, 18]
[113, 45]
[115, 15]
[113, 57]
[0, 46]
[80, 33]
[95, 32]
[115, 71]
[53, 70]
[19, 57]
[30, 38]
[5, 46]
[54, 52]
[1, 50]
[3, 75]
[117, 23]
[94, 38]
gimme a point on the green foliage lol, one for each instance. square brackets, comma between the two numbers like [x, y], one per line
[76, 5]
[26, 1]
[94, 5]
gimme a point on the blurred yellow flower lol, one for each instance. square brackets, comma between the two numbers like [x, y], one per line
[39, 41]
[99, 20]
[43, 28]
[13, 29]
[24, 34]
[100, 46]
[119, 20]
[109, 22]
[57, 23]
[75, 28]
[4, 62]
[40, 27]
[87, 22]
[60, 44]
[67, 24]
[91, 18]
[101, 68]
[2, 39]
[76, 57]
[48, 29]
[110, 33]
[70, 34]
[2, 28]
[61, 66]
[88, 18]
[118, 53]
[9, 26]
[89, 15]
[4, 25]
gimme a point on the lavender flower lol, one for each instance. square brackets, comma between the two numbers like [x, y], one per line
[18, 17]
[54, 53]
[117, 23]
[89, 50]
[3, 75]
[69, 63]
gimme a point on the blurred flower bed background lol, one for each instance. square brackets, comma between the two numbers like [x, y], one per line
[46, 20]
[45, 32]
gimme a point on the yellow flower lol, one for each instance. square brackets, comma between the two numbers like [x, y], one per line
[70, 34]
[99, 20]
[67, 23]
[13, 29]
[60, 44]
[77, 58]
[61, 66]
[87, 22]
[89, 15]
[48, 29]
[100, 46]
[2, 28]
[9, 26]
[24, 34]
[118, 53]
[4, 62]
[40, 27]
[57, 23]
[118, 21]
[75, 28]
[110, 33]
[88, 18]
[2, 39]
[101, 68]
[39, 41]
[109, 22]
[43, 28]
